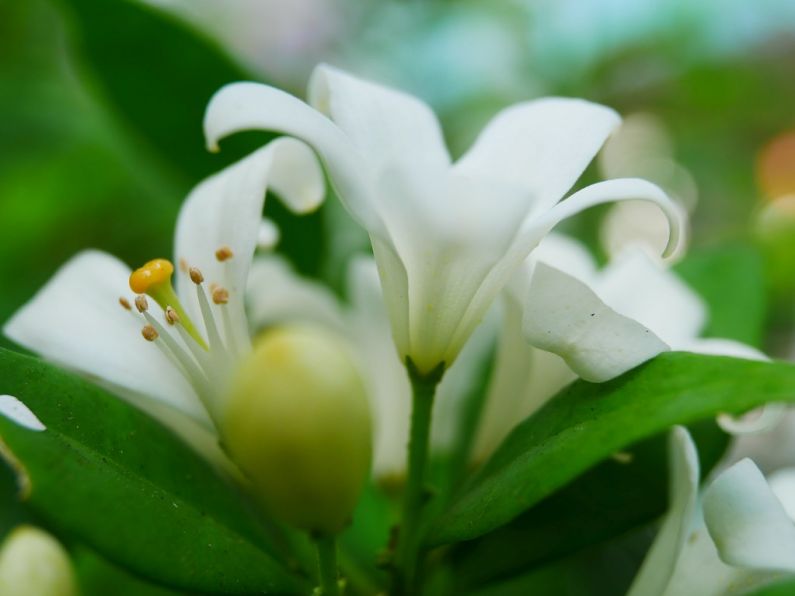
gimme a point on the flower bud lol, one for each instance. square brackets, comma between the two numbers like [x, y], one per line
[33, 562]
[297, 424]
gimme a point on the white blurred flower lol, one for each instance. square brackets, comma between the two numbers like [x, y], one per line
[734, 537]
[33, 563]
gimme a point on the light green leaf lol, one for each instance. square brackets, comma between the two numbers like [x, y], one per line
[588, 422]
[111, 476]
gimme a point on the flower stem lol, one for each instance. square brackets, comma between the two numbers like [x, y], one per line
[327, 564]
[410, 538]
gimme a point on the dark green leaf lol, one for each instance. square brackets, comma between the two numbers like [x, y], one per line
[617, 495]
[588, 422]
[106, 473]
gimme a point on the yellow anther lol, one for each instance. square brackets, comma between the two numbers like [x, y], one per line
[171, 316]
[224, 254]
[154, 280]
[125, 303]
[141, 303]
[220, 295]
[149, 333]
[152, 275]
[195, 275]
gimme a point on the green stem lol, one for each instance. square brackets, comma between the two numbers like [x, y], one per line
[327, 565]
[410, 539]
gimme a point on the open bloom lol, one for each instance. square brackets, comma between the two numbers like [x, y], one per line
[91, 315]
[446, 235]
[563, 319]
[730, 539]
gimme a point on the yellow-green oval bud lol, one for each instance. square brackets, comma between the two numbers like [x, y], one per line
[33, 562]
[298, 425]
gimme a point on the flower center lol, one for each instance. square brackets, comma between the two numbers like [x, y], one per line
[205, 363]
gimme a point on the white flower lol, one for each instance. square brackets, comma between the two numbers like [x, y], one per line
[734, 537]
[86, 317]
[564, 319]
[277, 295]
[446, 236]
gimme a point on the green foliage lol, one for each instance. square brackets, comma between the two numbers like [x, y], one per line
[112, 477]
[731, 281]
[589, 422]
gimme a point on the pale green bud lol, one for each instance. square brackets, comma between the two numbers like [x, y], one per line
[33, 562]
[298, 425]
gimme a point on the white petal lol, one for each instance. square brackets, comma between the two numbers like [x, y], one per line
[225, 210]
[251, 106]
[564, 316]
[276, 294]
[723, 347]
[384, 124]
[76, 321]
[782, 483]
[658, 567]
[387, 382]
[16, 411]
[524, 378]
[541, 146]
[624, 189]
[567, 255]
[748, 524]
[643, 289]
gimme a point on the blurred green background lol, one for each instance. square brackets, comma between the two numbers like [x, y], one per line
[102, 100]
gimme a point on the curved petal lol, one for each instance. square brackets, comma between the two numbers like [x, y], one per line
[252, 106]
[564, 316]
[225, 210]
[660, 563]
[640, 288]
[76, 321]
[749, 525]
[276, 294]
[384, 124]
[541, 146]
[622, 189]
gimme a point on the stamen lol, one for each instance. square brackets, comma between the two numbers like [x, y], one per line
[224, 253]
[220, 295]
[141, 303]
[149, 333]
[183, 265]
[154, 279]
[171, 316]
[209, 320]
[125, 303]
[195, 275]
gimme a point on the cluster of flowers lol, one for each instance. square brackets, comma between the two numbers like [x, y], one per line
[464, 256]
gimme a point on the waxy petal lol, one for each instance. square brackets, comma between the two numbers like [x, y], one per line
[251, 106]
[658, 567]
[384, 124]
[747, 522]
[564, 316]
[76, 321]
[540, 146]
[621, 189]
[276, 294]
[225, 211]
[642, 289]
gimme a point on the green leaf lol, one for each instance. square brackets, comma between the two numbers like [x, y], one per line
[588, 422]
[106, 473]
[731, 280]
[619, 494]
